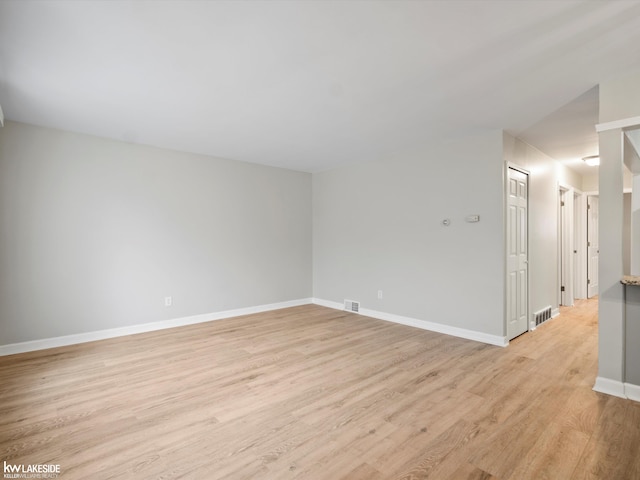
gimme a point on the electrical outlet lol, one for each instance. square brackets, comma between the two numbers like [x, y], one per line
[168, 301]
[379, 294]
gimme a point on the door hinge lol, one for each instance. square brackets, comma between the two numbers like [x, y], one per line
[562, 289]
[588, 207]
[562, 204]
[588, 282]
[588, 244]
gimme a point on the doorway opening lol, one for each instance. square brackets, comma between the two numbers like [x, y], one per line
[593, 245]
[572, 245]
[566, 248]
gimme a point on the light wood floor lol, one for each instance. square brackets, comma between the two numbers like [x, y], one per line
[314, 393]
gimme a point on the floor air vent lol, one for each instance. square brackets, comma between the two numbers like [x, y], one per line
[542, 316]
[351, 306]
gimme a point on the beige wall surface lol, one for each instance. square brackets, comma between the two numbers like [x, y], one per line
[620, 97]
[379, 226]
[95, 233]
[590, 183]
[619, 100]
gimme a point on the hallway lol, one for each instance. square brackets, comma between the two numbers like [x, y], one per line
[596, 433]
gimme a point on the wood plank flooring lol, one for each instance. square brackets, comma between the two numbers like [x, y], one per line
[314, 393]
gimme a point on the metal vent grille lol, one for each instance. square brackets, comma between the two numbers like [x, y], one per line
[542, 316]
[351, 306]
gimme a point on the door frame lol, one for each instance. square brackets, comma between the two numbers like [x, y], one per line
[565, 245]
[505, 274]
[580, 243]
[587, 246]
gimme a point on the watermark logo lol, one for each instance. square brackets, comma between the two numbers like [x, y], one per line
[37, 470]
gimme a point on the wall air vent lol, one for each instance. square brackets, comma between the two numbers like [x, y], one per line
[351, 306]
[542, 316]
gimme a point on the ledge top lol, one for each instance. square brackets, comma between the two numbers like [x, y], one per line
[631, 280]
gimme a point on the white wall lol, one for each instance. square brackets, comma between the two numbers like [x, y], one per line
[95, 233]
[619, 99]
[378, 226]
[627, 234]
[546, 174]
[634, 228]
[590, 182]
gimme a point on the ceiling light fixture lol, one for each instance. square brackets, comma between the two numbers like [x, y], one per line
[592, 161]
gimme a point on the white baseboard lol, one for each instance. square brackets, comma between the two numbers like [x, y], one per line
[610, 387]
[423, 324]
[327, 303]
[44, 343]
[632, 391]
[617, 389]
[555, 312]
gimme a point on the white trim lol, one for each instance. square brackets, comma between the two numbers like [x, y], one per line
[580, 221]
[610, 387]
[566, 244]
[328, 304]
[632, 391]
[438, 327]
[616, 124]
[617, 389]
[423, 324]
[555, 312]
[517, 167]
[142, 328]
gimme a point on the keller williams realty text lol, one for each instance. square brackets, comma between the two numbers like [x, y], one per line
[31, 471]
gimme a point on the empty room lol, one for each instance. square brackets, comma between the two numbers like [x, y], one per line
[320, 239]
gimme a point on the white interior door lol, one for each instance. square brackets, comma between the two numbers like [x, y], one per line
[580, 258]
[517, 254]
[593, 248]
